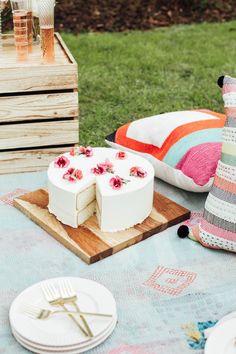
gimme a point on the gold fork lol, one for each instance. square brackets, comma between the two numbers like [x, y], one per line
[53, 297]
[69, 297]
[36, 312]
[39, 313]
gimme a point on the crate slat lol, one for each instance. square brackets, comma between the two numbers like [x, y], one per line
[28, 160]
[38, 106]
[15, 136]
[40, 78]
[64, 48]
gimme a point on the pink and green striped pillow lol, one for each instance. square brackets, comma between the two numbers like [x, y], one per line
[217, 228]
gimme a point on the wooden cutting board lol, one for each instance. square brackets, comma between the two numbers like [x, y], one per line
[88, 241]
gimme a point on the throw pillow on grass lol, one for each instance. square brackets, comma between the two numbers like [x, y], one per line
[184, 147]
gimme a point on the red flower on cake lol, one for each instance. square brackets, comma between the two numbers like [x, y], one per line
[103, 167]
[81, 150]
[117, 182]
[61, 162]
[78, 174]
[121, 155]
[72, 151]
[87, 151]
[99, 170]
[137, 172]
[72, 175]
[108, 165]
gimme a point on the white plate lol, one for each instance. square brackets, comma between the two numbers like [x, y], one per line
[75, 351]
[209, 330]
[226, 318]
[94, 340]
[59, 330]
[221, 340]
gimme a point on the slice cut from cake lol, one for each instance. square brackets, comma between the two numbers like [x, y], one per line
[117, 186]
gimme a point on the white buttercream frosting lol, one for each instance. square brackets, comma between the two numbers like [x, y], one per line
[118, 209]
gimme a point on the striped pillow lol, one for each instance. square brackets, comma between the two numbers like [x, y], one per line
[217, 229]
[184, 147]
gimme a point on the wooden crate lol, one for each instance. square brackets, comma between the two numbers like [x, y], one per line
[39, 108]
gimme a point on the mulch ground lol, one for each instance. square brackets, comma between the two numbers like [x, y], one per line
[120, 15]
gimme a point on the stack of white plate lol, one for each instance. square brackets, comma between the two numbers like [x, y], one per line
[222, 337]
[59, 333]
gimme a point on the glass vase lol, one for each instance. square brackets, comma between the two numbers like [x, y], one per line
[20, 22]
[46, 21]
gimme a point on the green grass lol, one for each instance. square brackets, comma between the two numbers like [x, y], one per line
[125, 76]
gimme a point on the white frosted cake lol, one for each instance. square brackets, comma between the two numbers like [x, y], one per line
[117, 186]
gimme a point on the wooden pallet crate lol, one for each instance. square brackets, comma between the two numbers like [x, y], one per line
[38, 108]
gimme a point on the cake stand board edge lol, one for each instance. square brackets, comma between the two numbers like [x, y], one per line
[88, 241]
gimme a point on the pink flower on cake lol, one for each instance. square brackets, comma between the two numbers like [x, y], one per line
[72, 151]
[137, 172]
[72, 175]
[82, 150]
[121, 155]
[78, 174]
[69, 175]
[61, 162]
[108, 165]
[103, 167]
[117, 182]
[71, 179]
[99, 170]
[87, 151]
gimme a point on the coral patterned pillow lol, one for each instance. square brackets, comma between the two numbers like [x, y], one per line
[184, 147]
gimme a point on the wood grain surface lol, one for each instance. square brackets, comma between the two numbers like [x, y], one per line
[38, 106]
[88, 241]
[29, 160]
[33, 75]
[15, 136]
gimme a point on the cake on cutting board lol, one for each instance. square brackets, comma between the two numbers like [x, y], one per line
[117, 186]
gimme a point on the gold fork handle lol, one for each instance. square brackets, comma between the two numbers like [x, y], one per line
[96, 314]
[75, 321]
[83, 313]
[90, 333]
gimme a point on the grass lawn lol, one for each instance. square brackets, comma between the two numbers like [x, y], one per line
[125, 76]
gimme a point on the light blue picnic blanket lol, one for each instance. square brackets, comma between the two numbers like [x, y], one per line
[161, 284]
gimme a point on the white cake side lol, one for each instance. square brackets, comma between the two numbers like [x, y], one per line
[119, 209]
[126, 210]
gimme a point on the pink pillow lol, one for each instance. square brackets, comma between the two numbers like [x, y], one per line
[200, 162]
